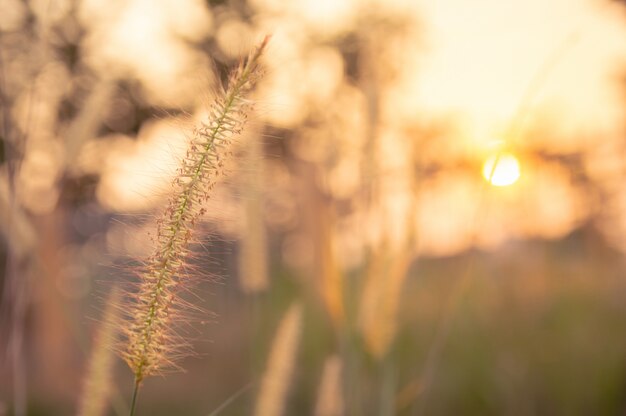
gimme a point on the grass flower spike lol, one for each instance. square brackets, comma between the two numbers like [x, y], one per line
[272, 396]
[151, 343]
[97, 385]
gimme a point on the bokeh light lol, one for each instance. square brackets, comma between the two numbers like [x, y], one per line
[502, 169]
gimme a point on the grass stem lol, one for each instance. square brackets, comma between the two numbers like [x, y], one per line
[135, 393]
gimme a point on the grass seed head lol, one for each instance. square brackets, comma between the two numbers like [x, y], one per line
[151, 344]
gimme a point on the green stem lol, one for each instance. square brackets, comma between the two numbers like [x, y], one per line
[134, 402]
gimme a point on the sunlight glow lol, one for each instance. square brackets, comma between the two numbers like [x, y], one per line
[506, 172]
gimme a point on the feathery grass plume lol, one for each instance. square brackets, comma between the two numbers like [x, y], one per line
[329, 398]
[97, 385]
[151, 343]
[275, 384]
[381, 298]
[253, 276]
[331, 279]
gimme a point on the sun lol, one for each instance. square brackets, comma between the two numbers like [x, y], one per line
[506, 171]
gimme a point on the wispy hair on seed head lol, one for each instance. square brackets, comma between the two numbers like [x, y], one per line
[151, 343]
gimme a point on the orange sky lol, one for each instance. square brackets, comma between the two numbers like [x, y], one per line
[470, 62]
[483, 55]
